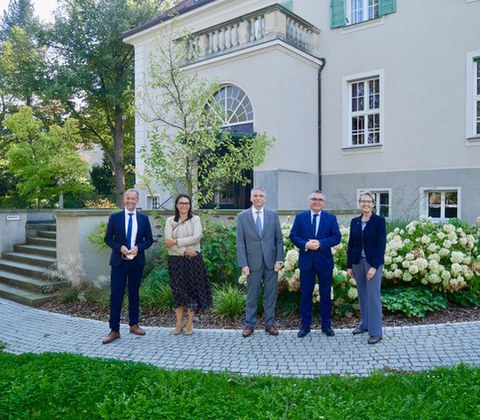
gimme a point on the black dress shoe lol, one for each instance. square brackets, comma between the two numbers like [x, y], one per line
[328, 331]
[303, 332]
[358, 331]
[374, 339]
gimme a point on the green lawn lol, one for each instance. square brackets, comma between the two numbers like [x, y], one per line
[50, 386]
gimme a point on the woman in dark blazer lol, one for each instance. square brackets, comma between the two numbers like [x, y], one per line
[365, 257]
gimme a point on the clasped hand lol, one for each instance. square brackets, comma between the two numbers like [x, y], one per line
[313, 244]
[132, 252]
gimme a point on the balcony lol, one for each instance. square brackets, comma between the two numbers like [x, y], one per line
[268, 24]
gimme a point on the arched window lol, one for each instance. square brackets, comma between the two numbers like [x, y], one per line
[236, 108]
[236, 111]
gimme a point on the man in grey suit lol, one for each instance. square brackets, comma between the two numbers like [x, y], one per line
[260, 255]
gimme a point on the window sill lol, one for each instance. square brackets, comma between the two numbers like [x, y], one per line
[474, 140]
[366, 148]
[363, 25]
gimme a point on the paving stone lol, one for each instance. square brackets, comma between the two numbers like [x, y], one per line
[404, 348]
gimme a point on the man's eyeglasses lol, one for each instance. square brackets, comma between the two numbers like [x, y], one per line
[365, 201]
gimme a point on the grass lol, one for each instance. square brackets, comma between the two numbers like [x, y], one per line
[54, 386]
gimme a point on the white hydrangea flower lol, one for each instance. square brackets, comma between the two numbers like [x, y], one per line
[456, 269]
[456, 257]
[425, 239]
[398, 273]
[407, 276]
[446, 275]
[440, 235]
[452, 237]
[288, 265]
[352, 293]
[447, 243]
[443, 252]
[352, 281]
[413, 269]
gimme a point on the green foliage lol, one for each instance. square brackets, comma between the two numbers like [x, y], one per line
[97, 238]
[219, 251]
[3, 346]
[228, 301]
[155, 292]
[46, 163]
[52, 386]
[413, 301]
[188, 141]
[396, 224]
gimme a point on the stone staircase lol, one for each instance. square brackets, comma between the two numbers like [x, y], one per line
[27, 274]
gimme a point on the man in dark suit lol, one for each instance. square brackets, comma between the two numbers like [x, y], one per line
[128, 234]
[314, 233]
[260, 255]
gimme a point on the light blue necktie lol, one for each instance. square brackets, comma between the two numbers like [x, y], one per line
[129, 230]
[258, 223]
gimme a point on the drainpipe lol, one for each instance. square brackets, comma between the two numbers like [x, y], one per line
[323, 61]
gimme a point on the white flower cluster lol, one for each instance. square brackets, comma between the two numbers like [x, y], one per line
[439, 255]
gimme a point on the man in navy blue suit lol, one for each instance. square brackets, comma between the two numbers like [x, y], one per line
[129, 234]
[314, 233]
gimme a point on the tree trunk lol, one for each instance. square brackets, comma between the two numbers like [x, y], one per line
[118, 157]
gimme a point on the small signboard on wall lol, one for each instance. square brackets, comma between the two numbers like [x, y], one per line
[12, 217]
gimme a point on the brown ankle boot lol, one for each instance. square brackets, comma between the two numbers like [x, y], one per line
[178, 329]
[189, 329]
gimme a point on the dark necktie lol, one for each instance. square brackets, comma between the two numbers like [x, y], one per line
[313, 232]
[258, 222]
[129, 230]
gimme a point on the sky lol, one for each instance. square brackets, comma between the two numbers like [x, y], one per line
[43, 8]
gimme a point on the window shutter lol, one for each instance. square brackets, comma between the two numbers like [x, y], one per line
[288, 5]
[386, 6]
[337, 13]
[476, 60]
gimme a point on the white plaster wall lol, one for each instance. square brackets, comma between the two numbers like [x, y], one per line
[422, 49]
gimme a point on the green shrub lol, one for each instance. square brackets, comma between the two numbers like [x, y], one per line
[413, 301]
[219, 249]
[288, 304]
[68, 295]
[2, 346]
[155, 292]
[97, 238]
[228, 301]
[96, 295]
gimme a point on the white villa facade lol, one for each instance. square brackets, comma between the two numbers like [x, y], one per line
[381, 95]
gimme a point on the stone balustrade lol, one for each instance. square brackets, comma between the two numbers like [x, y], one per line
[271, 23]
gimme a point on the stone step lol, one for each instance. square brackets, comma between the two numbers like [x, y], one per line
[36, 249]
[27, 270]
[32, 284]
[52, 243]
[50, 234]
[37, 260]
[26, 297]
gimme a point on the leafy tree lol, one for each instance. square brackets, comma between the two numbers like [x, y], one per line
[94, 71]
[189, 149]
[46, 162]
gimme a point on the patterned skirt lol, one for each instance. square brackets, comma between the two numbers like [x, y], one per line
[189, 282]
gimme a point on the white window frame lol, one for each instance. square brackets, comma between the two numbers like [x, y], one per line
[472, 96]
[150, 200]
[376, 192]
[365, 11]
[347, 112]
[424, 202]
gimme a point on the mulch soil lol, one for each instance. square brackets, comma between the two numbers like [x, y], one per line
[207, 320]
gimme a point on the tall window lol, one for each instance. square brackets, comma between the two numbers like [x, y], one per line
[365, 112]
[477, 95]
[361, 10]
[442, 204]
[236, 112]
[349, 12]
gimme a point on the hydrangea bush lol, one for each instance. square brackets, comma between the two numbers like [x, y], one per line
[444, 257]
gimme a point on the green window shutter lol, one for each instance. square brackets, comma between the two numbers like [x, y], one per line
[337, 13]
[476, 59]
[288, 5]
[386, 6]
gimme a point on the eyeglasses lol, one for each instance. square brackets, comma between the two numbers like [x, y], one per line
[365, 201]
[181, 203]
[316, 199]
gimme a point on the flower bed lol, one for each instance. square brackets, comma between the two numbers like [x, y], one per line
[445, 257]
